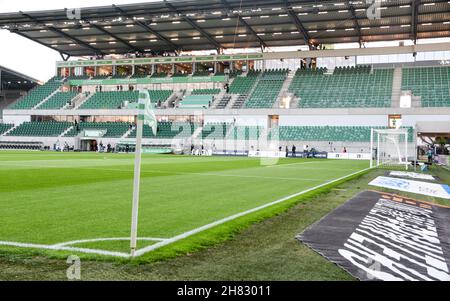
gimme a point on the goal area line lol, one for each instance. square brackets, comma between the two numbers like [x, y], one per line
[161, 242]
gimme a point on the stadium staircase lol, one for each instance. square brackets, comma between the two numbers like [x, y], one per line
[66, 131]
[57, 101]
[396, 87]
[287, 83]
[5, 129]
[219, 99]
[45, 99]
[431, 84]
[36, 96]
[197, 132]
[80, 100]
[127, 133]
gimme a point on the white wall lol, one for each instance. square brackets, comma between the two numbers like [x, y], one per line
[16, 119]
[244, 120]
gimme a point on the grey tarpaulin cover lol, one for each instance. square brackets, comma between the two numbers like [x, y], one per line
[380, 236]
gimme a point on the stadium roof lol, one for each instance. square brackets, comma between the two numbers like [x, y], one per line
[218, 24]
[13, 80]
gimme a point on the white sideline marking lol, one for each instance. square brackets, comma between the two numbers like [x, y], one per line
[184, 235]
[74, 242]
[163, 242]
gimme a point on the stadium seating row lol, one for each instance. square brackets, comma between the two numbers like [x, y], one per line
[219, 131]
[346, 88]
[325, 133]
[431, 83]
[40, 129]
[57, 101]
[34, 97]
[113, 129]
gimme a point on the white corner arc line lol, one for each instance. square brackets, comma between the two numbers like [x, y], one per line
[184, 235]
[63, 248]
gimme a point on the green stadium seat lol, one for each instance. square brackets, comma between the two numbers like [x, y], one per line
[113, 129]
[347, 87]
[432, 84]
[35, 96]
[40, 129]
[168, 130]
[4, 127]
[57, 101]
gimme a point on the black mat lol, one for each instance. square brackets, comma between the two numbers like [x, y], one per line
[380, 236]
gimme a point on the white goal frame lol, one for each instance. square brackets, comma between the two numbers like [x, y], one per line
[400, 147]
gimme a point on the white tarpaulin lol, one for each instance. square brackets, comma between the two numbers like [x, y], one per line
[412, 175]
[425, 188]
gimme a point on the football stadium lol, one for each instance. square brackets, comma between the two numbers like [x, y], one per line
[229, 140]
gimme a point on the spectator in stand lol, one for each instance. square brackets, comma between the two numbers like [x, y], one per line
[345, 150]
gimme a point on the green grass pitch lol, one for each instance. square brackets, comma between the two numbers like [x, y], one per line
[78, 199]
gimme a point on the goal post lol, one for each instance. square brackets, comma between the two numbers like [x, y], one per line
[391, 148]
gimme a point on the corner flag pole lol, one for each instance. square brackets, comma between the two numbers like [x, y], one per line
[137, 180]
[145, 116]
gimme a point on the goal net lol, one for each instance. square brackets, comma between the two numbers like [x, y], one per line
[391, 148]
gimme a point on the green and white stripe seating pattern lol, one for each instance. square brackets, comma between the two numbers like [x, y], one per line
[109, 100]
[348, 88]
[168, 130]
[34, 97]
[205, 91]
[245, 133]
[243, 84]
[326, 133]
[196, 102]
[40, 129]
[267, 90]
[431, 83]
[215, 130]
[113, 129]
[4, 127]
[57, 101]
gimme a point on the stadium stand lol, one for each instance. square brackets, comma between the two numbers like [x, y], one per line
[223, 103]
[325, 133]
[168, 130]
[35, 96]
[245, 133]
[113, 129]
[109, 100]
[345, 88]
[215, 130]
[40, 129]
[205, 91]
[432, 84]
[4, 127]
[267, 89]
[243, 84]
[57, 101]
[196, 102]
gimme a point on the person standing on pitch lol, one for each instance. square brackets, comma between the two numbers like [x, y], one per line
[293, 151]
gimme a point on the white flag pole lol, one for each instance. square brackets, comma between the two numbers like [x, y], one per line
[137, 178]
